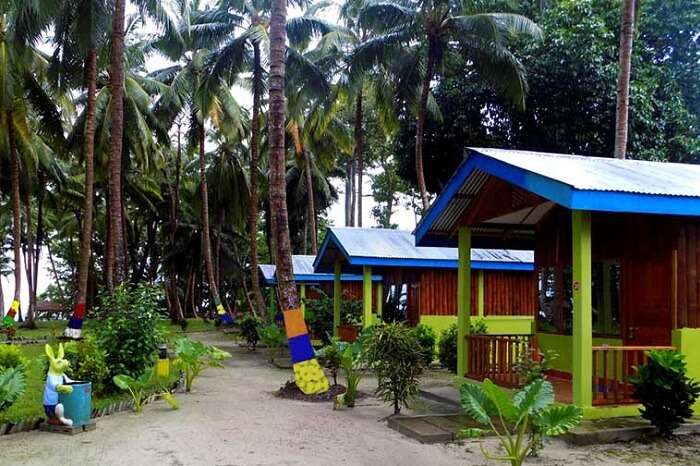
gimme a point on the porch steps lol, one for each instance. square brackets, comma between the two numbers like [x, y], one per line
[431, 428]
[445, 394]
[602, 431]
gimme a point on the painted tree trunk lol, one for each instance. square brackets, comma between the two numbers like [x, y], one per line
[623, 79]
[75, 324]
[308, 374]
[420, 126]
[115, 260]
[359, 153]
[253, 212]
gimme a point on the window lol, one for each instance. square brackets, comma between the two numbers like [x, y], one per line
[555, 313]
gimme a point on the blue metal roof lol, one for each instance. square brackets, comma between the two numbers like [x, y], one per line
[396, 248]
[303, 268]
[572, 181]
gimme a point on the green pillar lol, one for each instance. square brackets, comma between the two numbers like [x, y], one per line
[582, 370]
[302, 295]
[366, 296]
[480, 291]
[380, 301]
[337, 294]
[464, 289]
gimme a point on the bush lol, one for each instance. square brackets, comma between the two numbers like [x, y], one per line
[666, 393]
[128, 326]
[273, 337]
[319, 316]
[534, 364]
[330, 357]
[447, 348]
[491, 406]
[249, 330]
[350, 312]
[88, 362]
[478, 326]
[426, 338]
[11, 356]
[193, 356]
[394, 353]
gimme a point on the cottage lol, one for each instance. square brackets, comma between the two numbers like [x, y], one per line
[617, 252]
[419, 284]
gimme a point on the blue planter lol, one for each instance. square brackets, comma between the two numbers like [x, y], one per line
[78, 404]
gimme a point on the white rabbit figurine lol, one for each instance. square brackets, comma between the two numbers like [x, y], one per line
[56, 382]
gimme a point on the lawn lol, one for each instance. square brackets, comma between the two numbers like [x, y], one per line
[29, 405]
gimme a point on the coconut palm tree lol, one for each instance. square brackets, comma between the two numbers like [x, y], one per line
[417, 37]
[623, 79]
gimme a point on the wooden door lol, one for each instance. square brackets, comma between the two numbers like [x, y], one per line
[646, 301]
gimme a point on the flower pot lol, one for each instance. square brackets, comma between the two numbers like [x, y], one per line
[348, 333]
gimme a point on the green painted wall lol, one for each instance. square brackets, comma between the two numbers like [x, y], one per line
[563, 345]
[504, 325]
[687, 342]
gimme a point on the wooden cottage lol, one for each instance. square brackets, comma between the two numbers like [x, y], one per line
[420, 283]
[617, 256]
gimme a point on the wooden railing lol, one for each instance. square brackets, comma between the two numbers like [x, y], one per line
[612, 368]
[495, 356]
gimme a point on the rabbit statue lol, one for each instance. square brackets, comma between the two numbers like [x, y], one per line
[56, 382]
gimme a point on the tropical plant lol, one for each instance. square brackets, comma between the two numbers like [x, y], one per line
[249, 330]
[272, 337]
[666, 393]
[478, 327]
[511, 418]
[351, 311]
[447, 348]
[426, 338]
[394, 353]
[319, 315]
[193, 356]
[534, 364]
[330, 357]
[88, 362]
[421, 36]
[12, 385]
[11, 356]
[139, 388]
[351, 359]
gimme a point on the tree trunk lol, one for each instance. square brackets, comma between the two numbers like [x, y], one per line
[206, 241]
[76, 322]
[16, 218]
[29, 262]
[348, 195]
[353, 190]
[276, 124]
[623, 79]
[420, 126]
[359, 153]
[115, 260]
[253, 212]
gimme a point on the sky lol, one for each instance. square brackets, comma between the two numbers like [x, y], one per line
[403, 216]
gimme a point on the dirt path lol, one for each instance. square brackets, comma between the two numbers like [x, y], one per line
[233, 419]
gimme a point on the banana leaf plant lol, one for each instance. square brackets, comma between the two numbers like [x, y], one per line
[532, 409]
[192, 357]
[12, 385]
[143, 387]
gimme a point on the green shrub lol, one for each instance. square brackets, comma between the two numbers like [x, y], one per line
[351, 312]
[129, 327]
[11, 356]
[667, 394]
[351, 363]
[192, 356]
[447, 348]
[88, 362]
[510, 418]
[426, 338]
[319, 316]
[249, 330]
[477, 326]
[534, 364]
[394, 353]
[273, 338]
[330, 357]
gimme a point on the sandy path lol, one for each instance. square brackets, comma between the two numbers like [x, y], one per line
[232, 419]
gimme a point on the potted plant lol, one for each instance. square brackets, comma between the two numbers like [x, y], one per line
[350, 321]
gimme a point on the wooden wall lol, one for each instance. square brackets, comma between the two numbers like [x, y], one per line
[351, 290]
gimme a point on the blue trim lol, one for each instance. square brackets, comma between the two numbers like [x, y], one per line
[555, 191]
[438, 263]
[307, 278]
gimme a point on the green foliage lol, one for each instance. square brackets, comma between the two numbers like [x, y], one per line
[351, 362]
[330, 357]
[319, 316]
[11, 356]
[192, 357]
[88, 362]
[447, 348]
[249, 330]
[426, 338]
[394, 353]
[12, 385]
[129, 328]
[350, 312]
[667, 394]
[478, 326]
[272, 337]
[139, 388]
[534, 364]
[511, 418]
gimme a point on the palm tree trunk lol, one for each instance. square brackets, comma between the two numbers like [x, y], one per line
[353, 190]
[278, 192]
[420, 126]
[253, 212]
[29, 261]
[348, 196]
[115, 260]
[359, 153]
[623, 79]
[76, 322]
[16, 219]
[206, 241]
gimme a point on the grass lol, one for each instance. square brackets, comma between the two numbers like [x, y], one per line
[29, 405]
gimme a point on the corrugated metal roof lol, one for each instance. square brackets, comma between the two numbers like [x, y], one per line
[389, 244]
[606, 174]
[303, 269]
